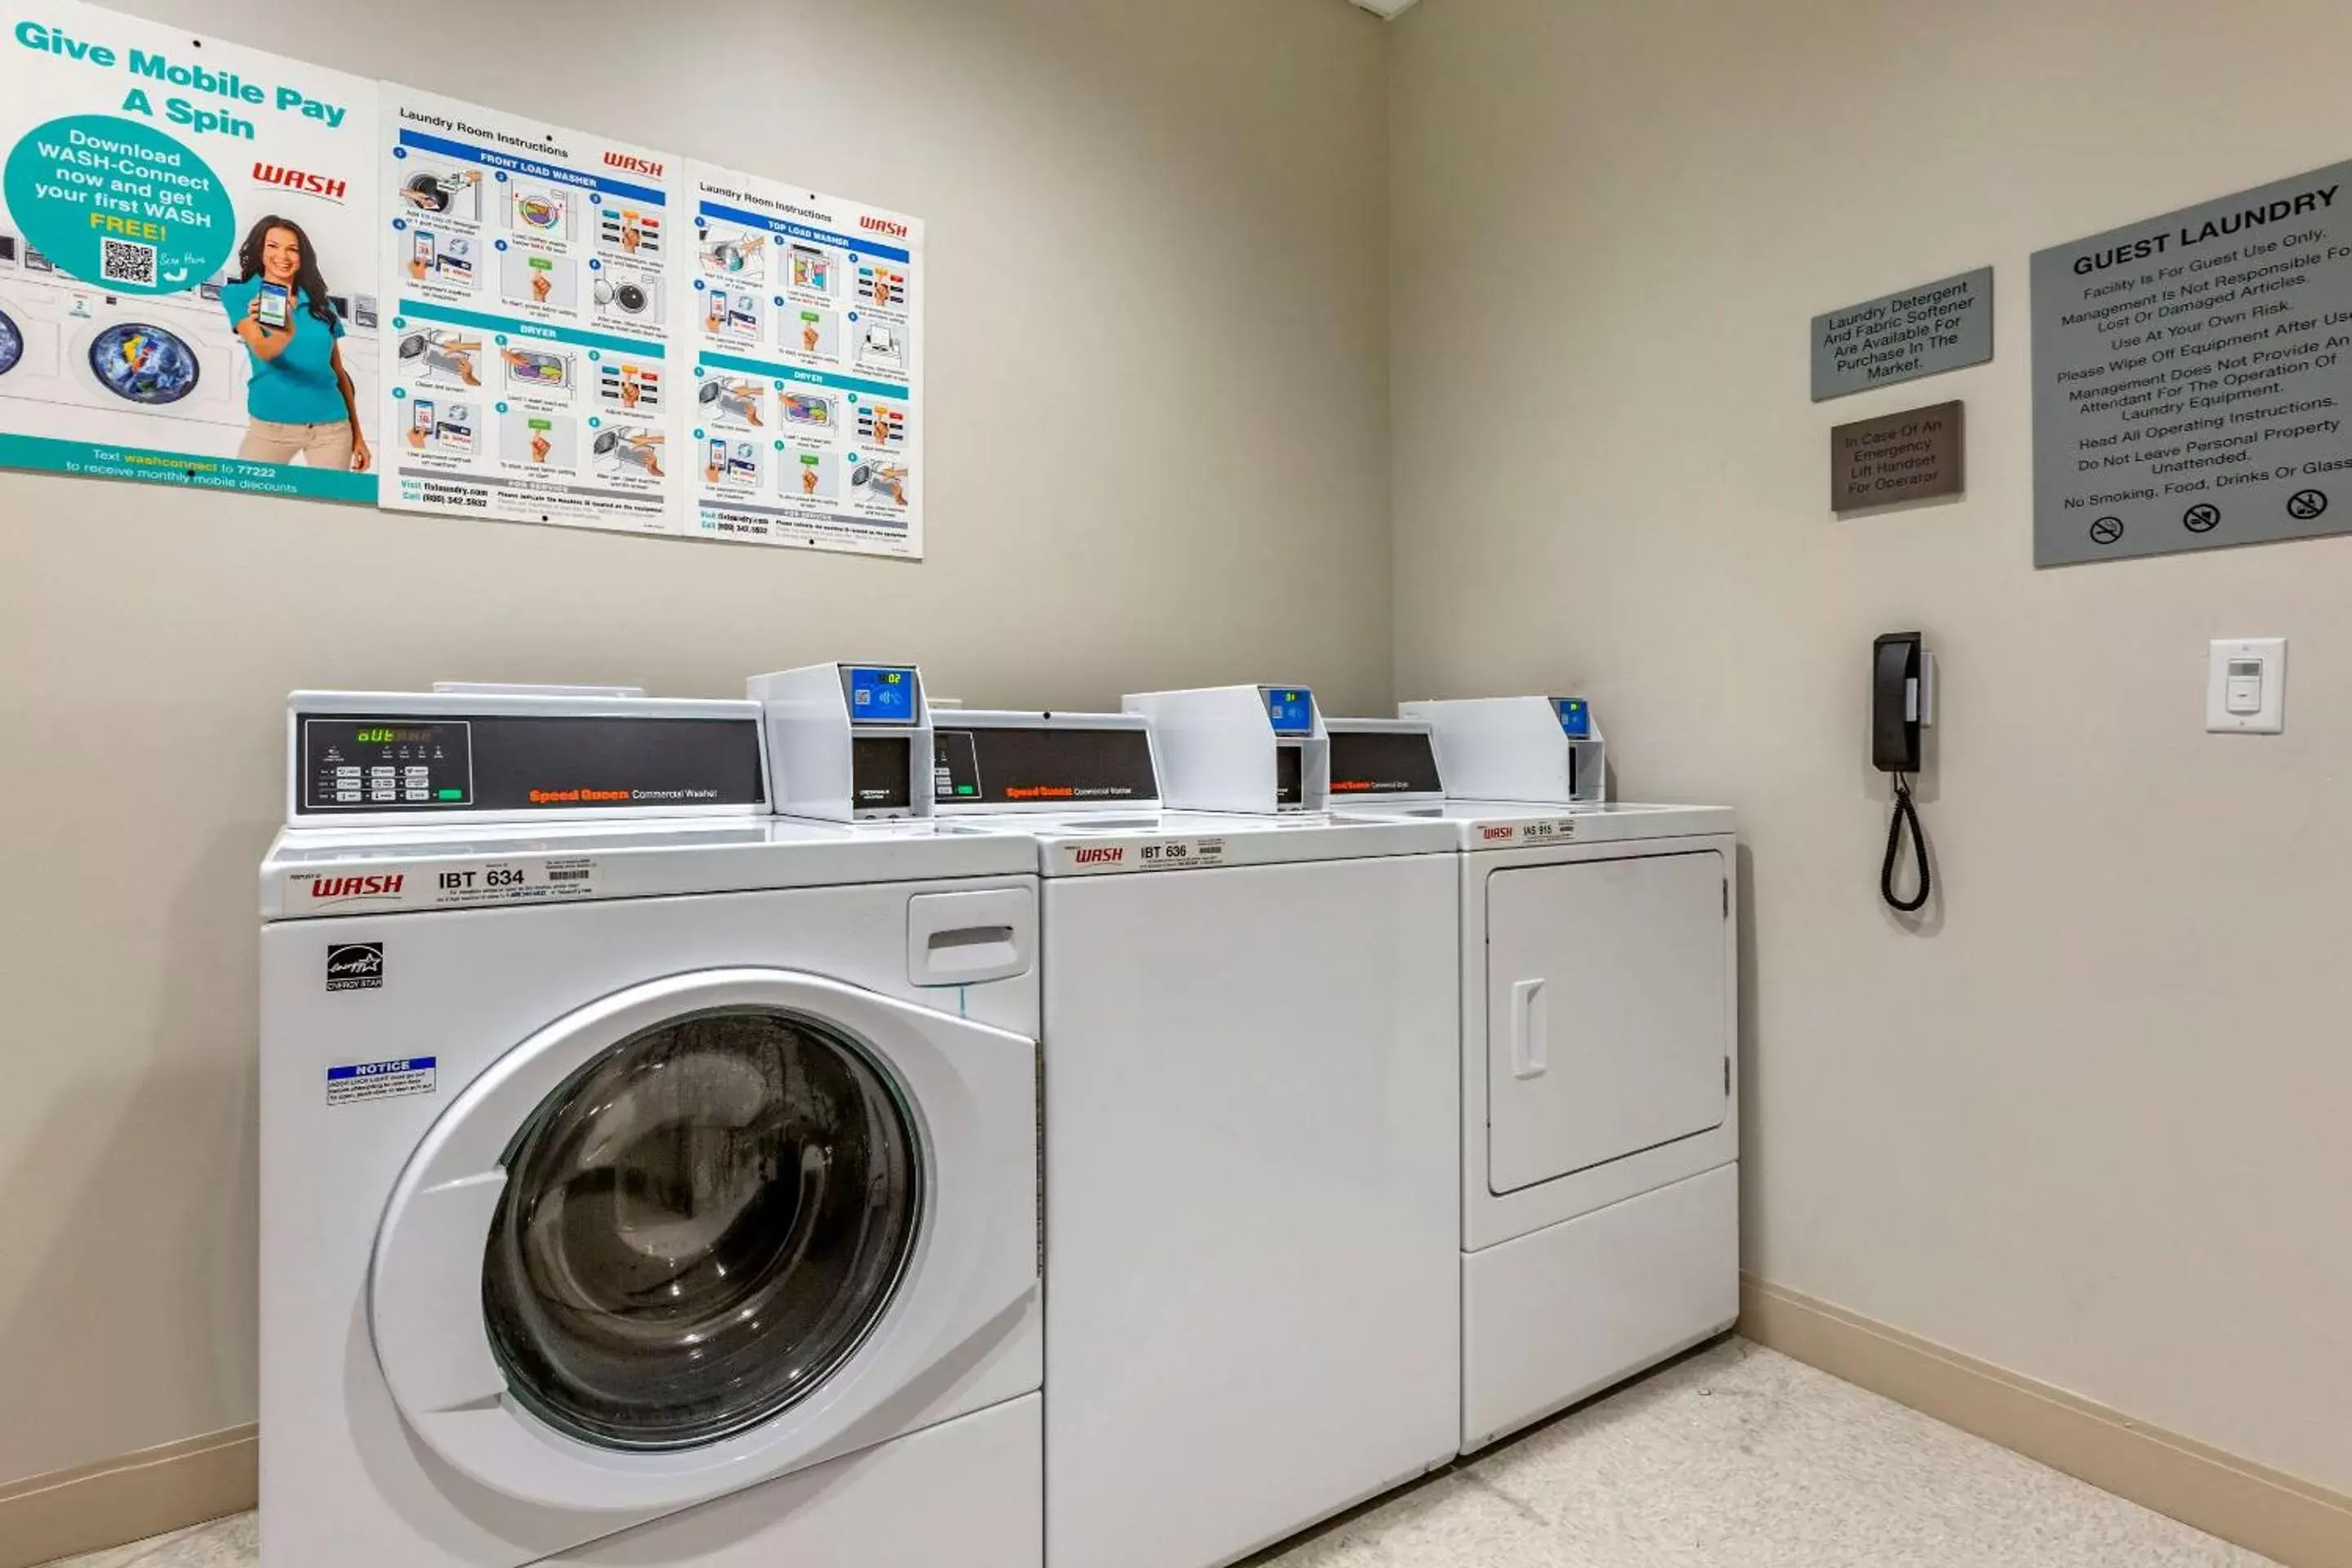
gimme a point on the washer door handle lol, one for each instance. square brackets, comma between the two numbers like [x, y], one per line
[1530, 1036]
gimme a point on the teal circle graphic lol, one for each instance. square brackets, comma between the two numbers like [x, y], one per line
[81, 181]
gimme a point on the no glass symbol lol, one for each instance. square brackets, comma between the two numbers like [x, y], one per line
[2201, 519]
[2305, 505]
[2106, 531]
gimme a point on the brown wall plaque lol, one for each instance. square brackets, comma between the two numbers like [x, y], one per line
[1896, 458]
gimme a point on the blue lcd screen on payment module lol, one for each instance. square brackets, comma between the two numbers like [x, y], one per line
[1576, 718]
[881, 696]
[1292, 709]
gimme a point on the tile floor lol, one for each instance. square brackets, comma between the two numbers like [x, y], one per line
[1736, 1458]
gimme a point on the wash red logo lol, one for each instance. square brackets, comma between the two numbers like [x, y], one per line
[323, 889]
[301, 180]
[1099, 854]
[1492, 834]
[633, 164]
[883, 226]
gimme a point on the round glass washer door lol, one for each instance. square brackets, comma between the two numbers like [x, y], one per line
[700, 1226]
[144, 364]
[12, 343]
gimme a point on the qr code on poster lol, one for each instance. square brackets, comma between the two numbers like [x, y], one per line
[127, 261]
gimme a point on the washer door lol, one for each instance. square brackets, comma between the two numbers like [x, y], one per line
[702, 1232]
[142, 363]
[12, 343]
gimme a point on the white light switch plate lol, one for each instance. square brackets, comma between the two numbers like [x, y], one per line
[2269, 689]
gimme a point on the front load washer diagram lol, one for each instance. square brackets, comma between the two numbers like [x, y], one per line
[531, 278]
[634, 302]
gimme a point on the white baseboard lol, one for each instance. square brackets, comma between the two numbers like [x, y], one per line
[128, 1498]
[2282, 1517]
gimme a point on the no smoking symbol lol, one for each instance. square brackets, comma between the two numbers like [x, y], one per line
[2202, 519]
[2305, 505]
[2106, 531]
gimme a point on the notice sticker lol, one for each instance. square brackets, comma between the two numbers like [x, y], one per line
[355, 1081]
[1517, 835]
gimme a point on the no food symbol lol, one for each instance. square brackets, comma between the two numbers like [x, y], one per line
[2305, 505]
[2201, 519]
[2106, 531]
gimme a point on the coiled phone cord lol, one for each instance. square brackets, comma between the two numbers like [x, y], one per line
[1904, 812]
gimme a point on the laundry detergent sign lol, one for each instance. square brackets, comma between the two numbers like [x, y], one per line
[119, 204]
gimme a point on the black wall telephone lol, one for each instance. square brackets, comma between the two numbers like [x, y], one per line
[1902, 699]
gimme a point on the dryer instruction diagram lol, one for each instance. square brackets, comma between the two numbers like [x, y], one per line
[529, 362]
[804, 313]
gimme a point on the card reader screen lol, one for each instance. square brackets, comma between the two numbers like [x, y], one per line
[1575, 717]
[1292, 709]
[878, 696]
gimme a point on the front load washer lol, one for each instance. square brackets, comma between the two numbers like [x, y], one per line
[644, 1179]
[172, 356]
[1597, 1042]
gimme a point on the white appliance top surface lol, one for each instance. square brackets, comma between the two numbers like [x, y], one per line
[448, 865]
[1483, 824]
[1102, 842]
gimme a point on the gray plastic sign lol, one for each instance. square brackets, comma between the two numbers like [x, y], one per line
[1926, 330]
[2192, 378]
[1896, 458]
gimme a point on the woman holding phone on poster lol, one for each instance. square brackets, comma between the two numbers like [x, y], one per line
[300, 398]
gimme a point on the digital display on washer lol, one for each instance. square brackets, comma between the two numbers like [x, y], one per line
[434, 762]
[1292, 710]
[880, 695]
[1027, 764]
[1383, 762]
[1575, 717]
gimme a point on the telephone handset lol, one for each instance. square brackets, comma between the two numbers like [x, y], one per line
[1902, 701]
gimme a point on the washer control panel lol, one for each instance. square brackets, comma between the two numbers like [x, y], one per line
[374, 764]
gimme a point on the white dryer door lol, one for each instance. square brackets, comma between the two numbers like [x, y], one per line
[1608, 1020]
[704, 1231]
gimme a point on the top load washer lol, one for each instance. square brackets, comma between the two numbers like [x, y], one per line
[1251, 1132]
[644, 1179]
[1598, 1050]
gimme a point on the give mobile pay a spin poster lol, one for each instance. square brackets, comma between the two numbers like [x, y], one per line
[187, 259]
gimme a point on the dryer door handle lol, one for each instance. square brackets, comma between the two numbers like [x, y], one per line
[1531, 1033]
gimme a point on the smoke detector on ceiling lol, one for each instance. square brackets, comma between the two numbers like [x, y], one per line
[1386, 9]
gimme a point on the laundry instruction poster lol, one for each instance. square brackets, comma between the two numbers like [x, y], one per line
[530, 375]
[806, 424]
[188, 259]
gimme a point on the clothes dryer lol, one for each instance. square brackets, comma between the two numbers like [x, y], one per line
[1597, 1044]
[644, 1179]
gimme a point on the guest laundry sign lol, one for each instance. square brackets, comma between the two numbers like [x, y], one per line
[187, 263]
[2192, 376]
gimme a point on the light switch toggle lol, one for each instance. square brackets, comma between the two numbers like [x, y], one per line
[2245, 689]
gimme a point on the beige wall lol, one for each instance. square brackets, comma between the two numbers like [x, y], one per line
[1159, 262]
[2088, 1123]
